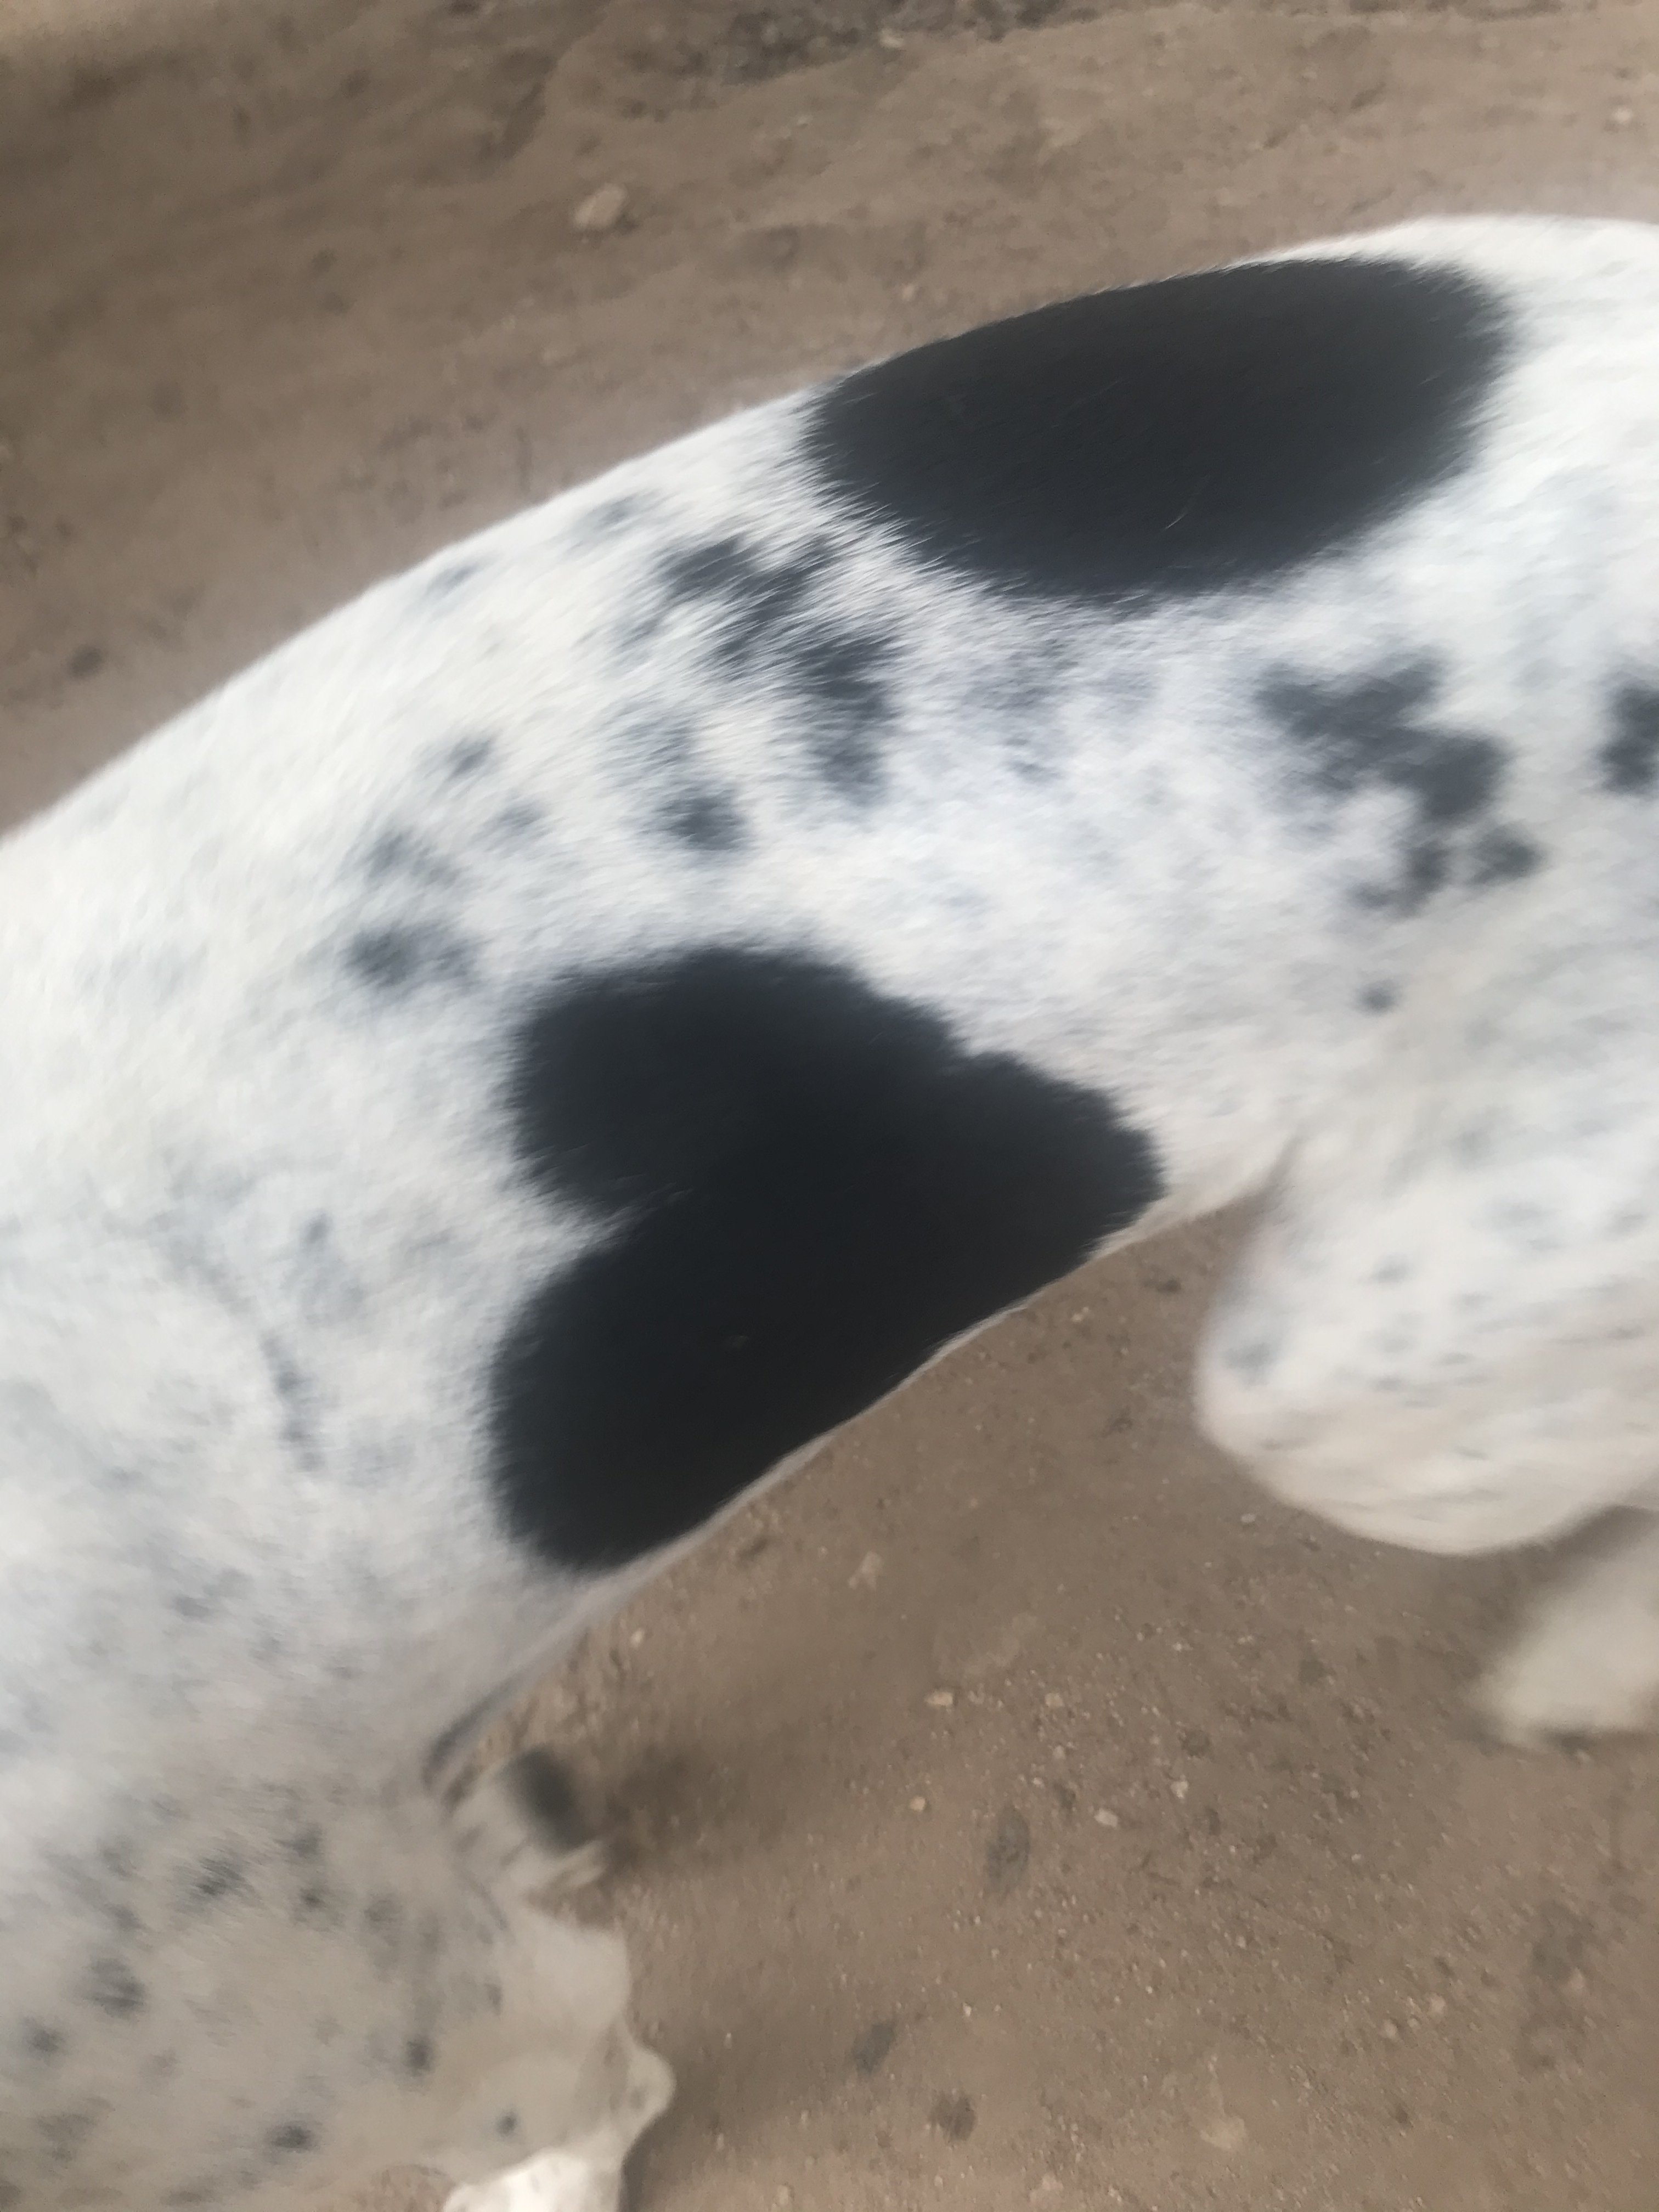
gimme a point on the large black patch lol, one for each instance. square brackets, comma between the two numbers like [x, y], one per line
[810, 1189]
[1175, 438]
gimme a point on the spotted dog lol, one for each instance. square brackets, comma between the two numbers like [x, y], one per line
[518, 1068]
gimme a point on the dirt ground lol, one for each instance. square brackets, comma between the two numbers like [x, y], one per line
[1016, 1809]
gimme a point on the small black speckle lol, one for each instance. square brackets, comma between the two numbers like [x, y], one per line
[292, 2135]
[492, 1996]
[467, 756]
[400, 852]
[1630, 758]
[870, 2050]
[1502, 857]
[113, 1986]
[1379, 998]
[611, 518]
[42, 2044]
[508, 2124]
[85, 660]
[396, 960]
[516, 823]
[217, 1877]
[304, 1844]
[449, 580]
[417, 2056]
[702, 820]
[64, 2133]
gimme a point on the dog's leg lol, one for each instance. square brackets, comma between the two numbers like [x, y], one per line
[1586, 1663]
[565, 2089]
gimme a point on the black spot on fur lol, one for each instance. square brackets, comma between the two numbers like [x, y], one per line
[1345, 738]
[613, 518]
[114, 1988]
[808, 1189]
[217, 1877]
[417, 2057]
[44, 2045]
[766, 617]
[839, 672]
[65, 2134]
[384, 1932]
[399, 960]
[1630, 758]
[467, 757]
[705, 821]
[1170, 439]
[1503, 857]
[292, 2135]
[399, 853]
[508, 2124]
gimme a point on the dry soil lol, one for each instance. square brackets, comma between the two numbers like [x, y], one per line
[1017, 1809]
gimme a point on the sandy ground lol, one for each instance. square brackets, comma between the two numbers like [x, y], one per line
[1017, 1810]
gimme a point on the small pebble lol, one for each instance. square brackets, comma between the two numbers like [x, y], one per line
[785, 2196]
[867, 1573]
[1622, 118]
[918, 1804]
[1437, 2007]
[940, 1700]
[891, 40]
[637, 1638]
[1054, 1699]
[1178, 1790]
[1247, 1520]
[1390, 2031]
[601, 210]
[1107, 1820]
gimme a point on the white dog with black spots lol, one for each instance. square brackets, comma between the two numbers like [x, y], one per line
[518, 1067]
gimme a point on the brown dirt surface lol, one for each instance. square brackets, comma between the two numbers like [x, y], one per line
[1017, 1810]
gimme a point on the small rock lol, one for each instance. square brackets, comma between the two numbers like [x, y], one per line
[918, 1804]
[785, 2197]
[1437, 2007]
[867, 1573]
[1054, 1699]
[1048, 2187]
[601, 210]
[1247, 1520]
[1103, 1819]
[873, 2045]
[1622, 118]
[1390, 2031]
[891, 40]
[1178, 1791]
[940, 1700]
